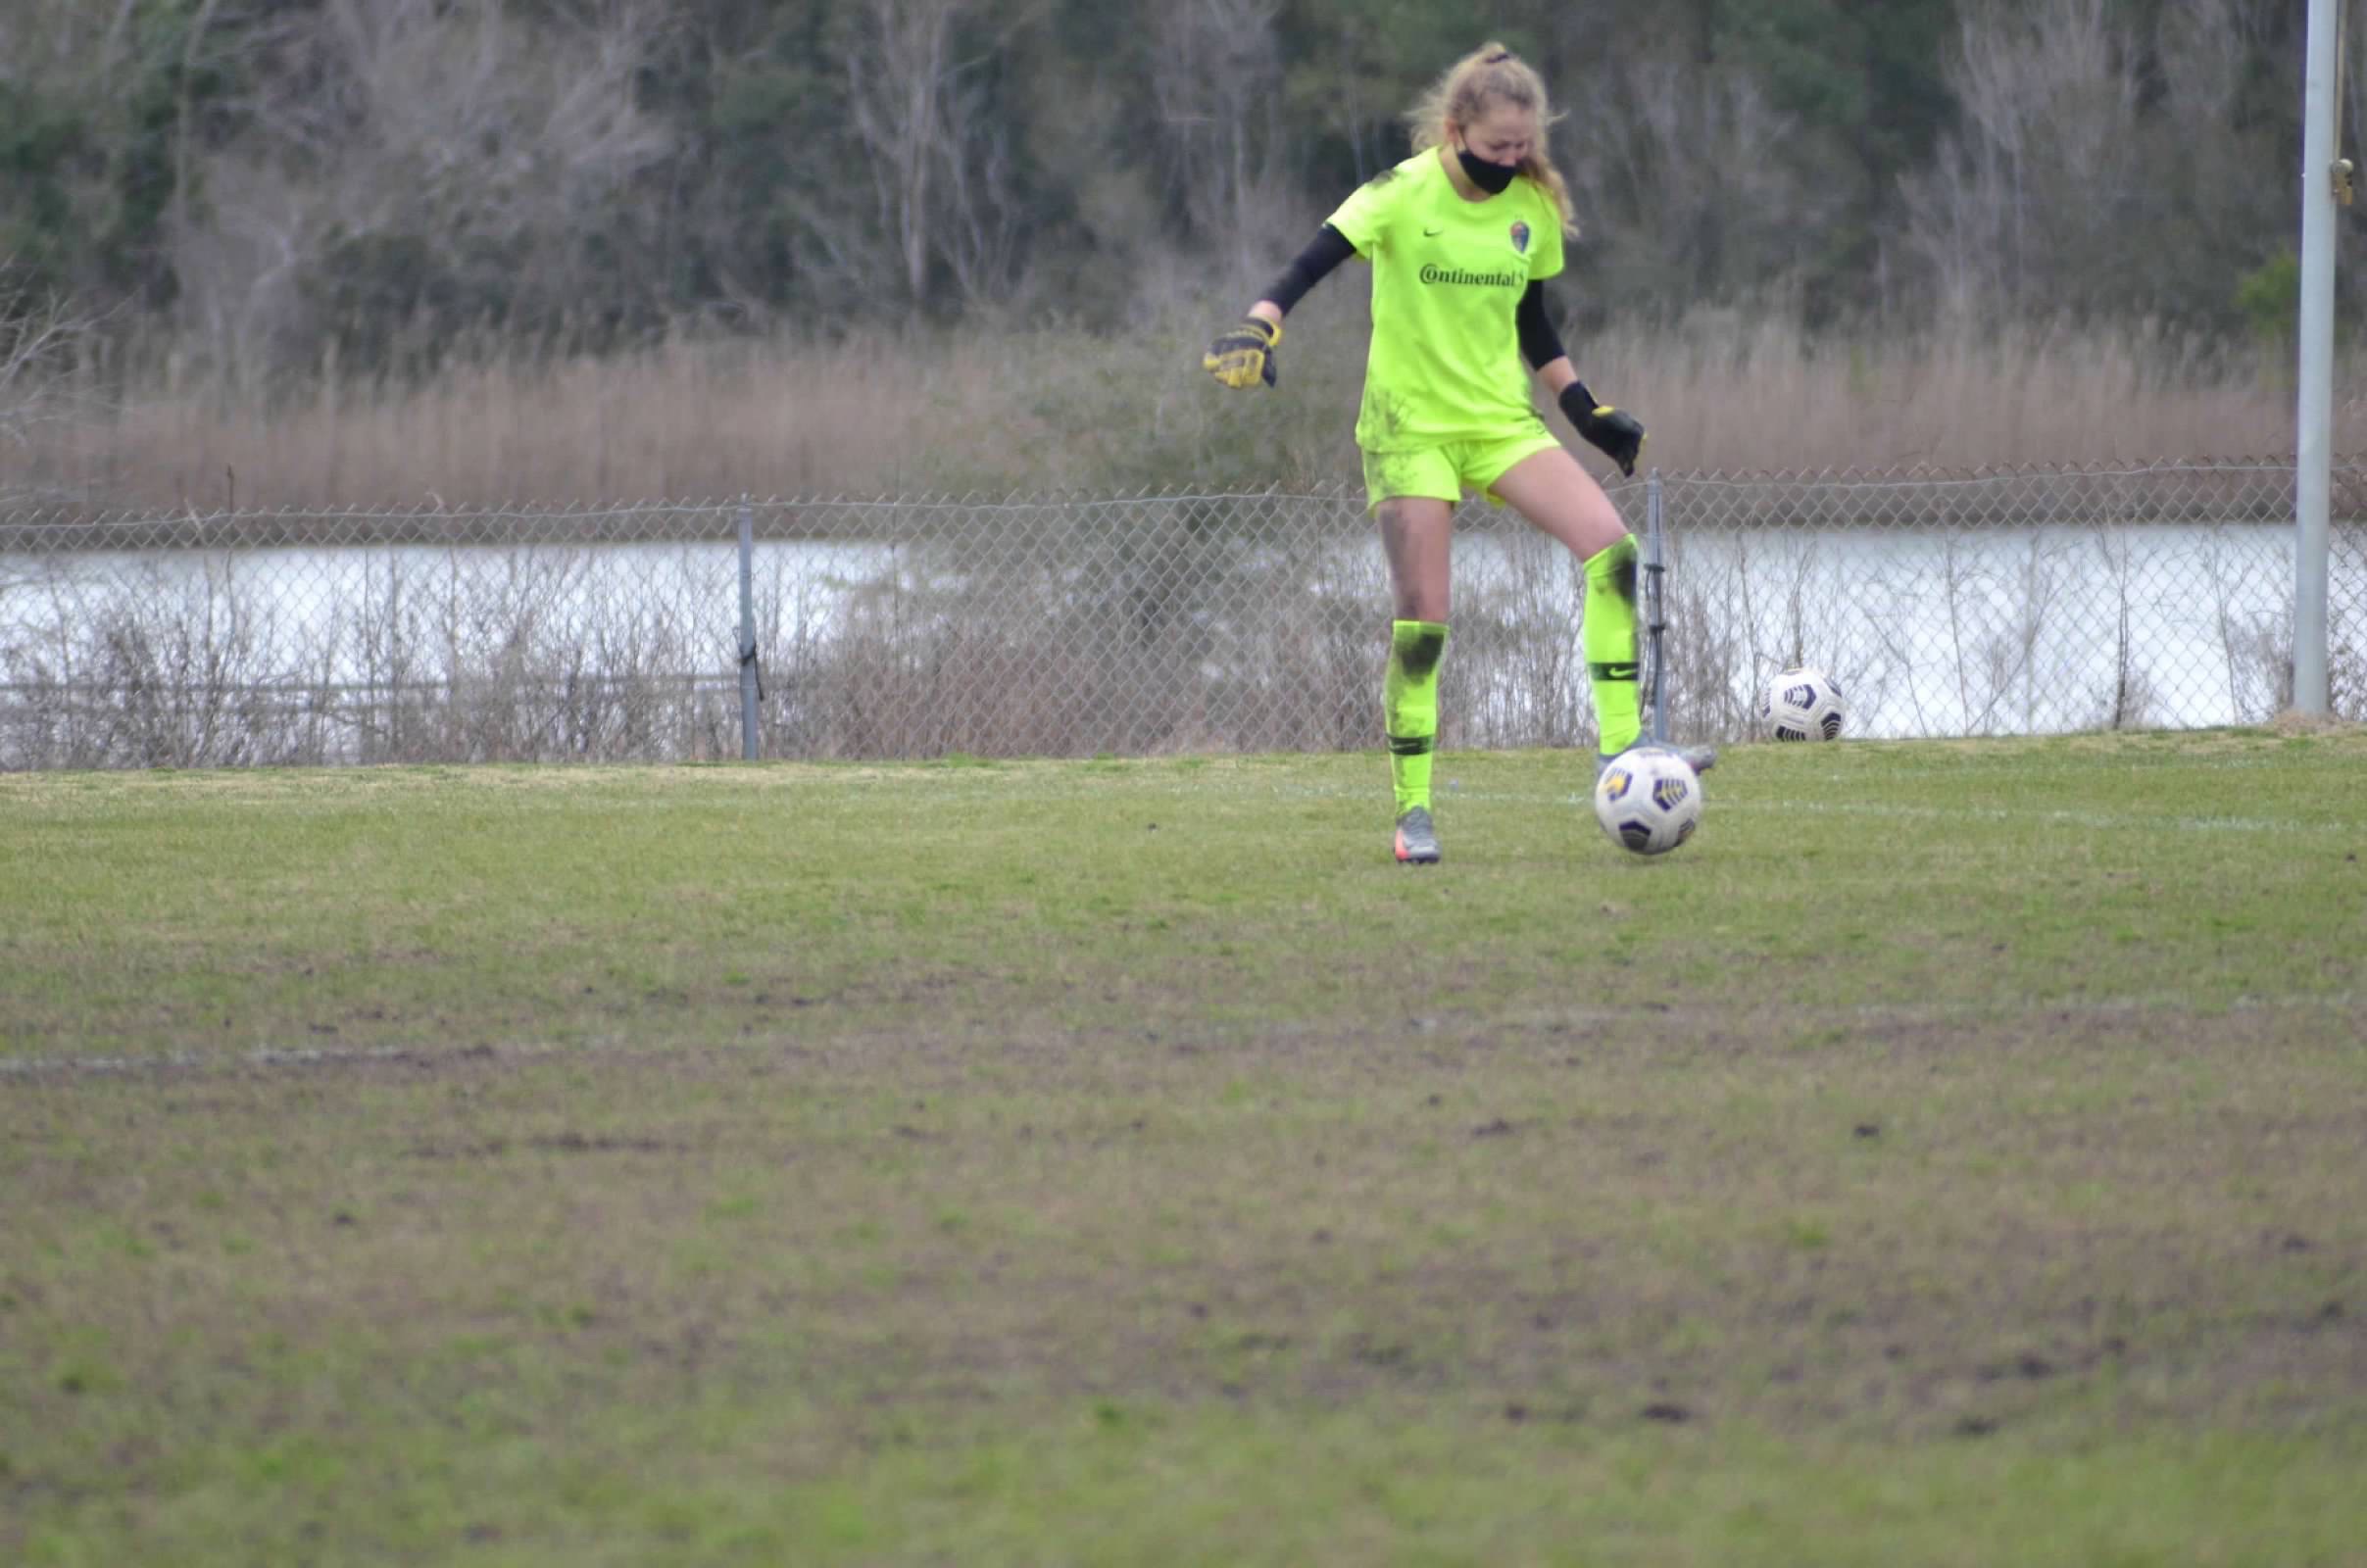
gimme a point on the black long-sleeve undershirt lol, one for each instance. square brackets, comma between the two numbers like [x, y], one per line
[1540, 344]
[1323, 254]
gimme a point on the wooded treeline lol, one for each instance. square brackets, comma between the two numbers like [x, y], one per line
[282, 184]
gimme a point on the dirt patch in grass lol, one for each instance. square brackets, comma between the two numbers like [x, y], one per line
[2293, 721]
[1883, 1229]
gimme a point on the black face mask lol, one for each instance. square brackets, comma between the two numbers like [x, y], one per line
[1493, 179]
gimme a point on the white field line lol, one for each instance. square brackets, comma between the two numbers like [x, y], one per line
[2010, 814]
[1656, 1015]
[2153, 821]
[290, 1056]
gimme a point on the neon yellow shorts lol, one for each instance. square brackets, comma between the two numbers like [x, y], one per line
[1443, 473]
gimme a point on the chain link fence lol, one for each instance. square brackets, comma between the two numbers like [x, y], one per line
[1997, 602]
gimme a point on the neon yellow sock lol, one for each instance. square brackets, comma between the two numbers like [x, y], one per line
[1613, 666]
[1409, 702]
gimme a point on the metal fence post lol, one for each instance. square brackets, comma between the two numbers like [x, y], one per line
[394, 658]
[1654, 621]
[2312, 464]
[749, 690]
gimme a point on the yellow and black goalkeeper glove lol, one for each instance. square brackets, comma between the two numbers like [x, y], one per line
[1618, 434]
[1244, 356]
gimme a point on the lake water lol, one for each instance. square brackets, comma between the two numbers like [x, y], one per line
[1931, 631]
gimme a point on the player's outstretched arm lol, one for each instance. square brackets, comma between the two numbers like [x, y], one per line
[1245, 354]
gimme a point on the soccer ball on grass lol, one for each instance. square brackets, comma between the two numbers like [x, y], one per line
[1802, 704]
[1649, 800]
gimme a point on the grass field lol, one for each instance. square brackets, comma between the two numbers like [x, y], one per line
[1952, 1157]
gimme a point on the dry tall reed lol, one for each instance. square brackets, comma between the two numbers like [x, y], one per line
[1041, 410]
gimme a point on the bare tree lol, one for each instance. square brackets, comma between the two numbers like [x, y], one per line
[39, 340]
[979, 230]
[2205, 48]
[487, 146]
[899, 76]
[1214, 81]
[1690, 179]
[917, 76]
[2026, 204]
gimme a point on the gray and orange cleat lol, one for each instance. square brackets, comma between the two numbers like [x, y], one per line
[1418, 839]
[1701, 758]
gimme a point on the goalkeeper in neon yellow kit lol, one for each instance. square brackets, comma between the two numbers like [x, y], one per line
[1461, 237]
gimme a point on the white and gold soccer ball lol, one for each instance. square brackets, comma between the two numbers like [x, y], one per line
[1802, 704]
[1649, 800]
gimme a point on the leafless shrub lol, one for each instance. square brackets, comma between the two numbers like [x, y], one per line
[2346, 616]
[2130, 703]
[1707, 673]
[533, 655]
[1179, 629]
[542, 654]
[137, 665]
[1515, 670]
[2261, 664]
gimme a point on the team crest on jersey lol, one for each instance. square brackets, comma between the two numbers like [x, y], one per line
[1520, 239]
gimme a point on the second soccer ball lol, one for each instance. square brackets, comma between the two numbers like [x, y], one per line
[1802, 704]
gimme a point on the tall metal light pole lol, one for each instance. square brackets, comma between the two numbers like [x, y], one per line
[2325, 182]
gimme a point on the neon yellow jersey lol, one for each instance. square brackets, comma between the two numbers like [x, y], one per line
[1446, 280]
